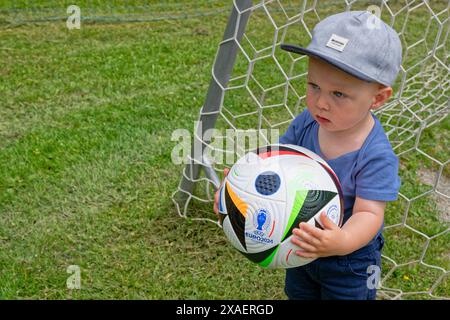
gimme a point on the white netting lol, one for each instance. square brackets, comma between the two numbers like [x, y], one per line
[266, 91]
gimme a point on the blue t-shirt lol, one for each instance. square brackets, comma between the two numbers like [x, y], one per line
[370, 173]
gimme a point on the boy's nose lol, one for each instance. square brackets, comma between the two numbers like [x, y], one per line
[322, 103]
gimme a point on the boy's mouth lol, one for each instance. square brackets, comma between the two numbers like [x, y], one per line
[321, 119]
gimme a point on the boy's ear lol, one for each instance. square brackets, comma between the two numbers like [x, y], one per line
[381, 97]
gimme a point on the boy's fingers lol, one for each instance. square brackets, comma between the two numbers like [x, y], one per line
[327, 223]
[305, 254]
[216, 195]
[306, 237]
[303, 244]
[216, 201]
[315, 232]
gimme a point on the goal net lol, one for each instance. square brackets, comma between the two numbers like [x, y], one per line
[257, 89]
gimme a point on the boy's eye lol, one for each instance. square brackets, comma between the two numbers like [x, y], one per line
[339, 94]
[314, 86]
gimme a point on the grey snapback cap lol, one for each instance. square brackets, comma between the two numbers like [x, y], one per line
[358, 43]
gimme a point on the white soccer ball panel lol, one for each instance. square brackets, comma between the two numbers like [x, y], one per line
[244, 174]
[262, 230]
[286, 257]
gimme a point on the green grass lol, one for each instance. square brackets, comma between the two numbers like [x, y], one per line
[86, 175]
[85, 168]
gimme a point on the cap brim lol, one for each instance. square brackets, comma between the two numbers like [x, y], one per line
[338, 64]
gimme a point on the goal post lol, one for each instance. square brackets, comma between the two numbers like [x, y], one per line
[221, 72]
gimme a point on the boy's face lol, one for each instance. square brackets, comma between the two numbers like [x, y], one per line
[338, 101]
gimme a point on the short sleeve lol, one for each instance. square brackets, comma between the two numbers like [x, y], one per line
[377, 178]
[291, 136]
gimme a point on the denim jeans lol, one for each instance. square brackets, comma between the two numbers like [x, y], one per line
[336, 277]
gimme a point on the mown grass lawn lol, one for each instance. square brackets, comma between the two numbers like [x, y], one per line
[85, 168]
[86, 176]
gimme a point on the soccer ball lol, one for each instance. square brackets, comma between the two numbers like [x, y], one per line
[267, 193]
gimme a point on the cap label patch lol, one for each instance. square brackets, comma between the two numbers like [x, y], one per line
[336, 42]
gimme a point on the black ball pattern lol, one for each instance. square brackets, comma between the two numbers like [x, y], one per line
[267, 183]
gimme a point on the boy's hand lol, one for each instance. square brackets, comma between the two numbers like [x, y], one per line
[315, 242]
[216, 195]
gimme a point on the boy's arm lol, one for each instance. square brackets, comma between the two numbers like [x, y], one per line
[366, 220]
[359, 229]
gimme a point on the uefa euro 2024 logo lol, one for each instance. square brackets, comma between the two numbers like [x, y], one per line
[262, 221]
